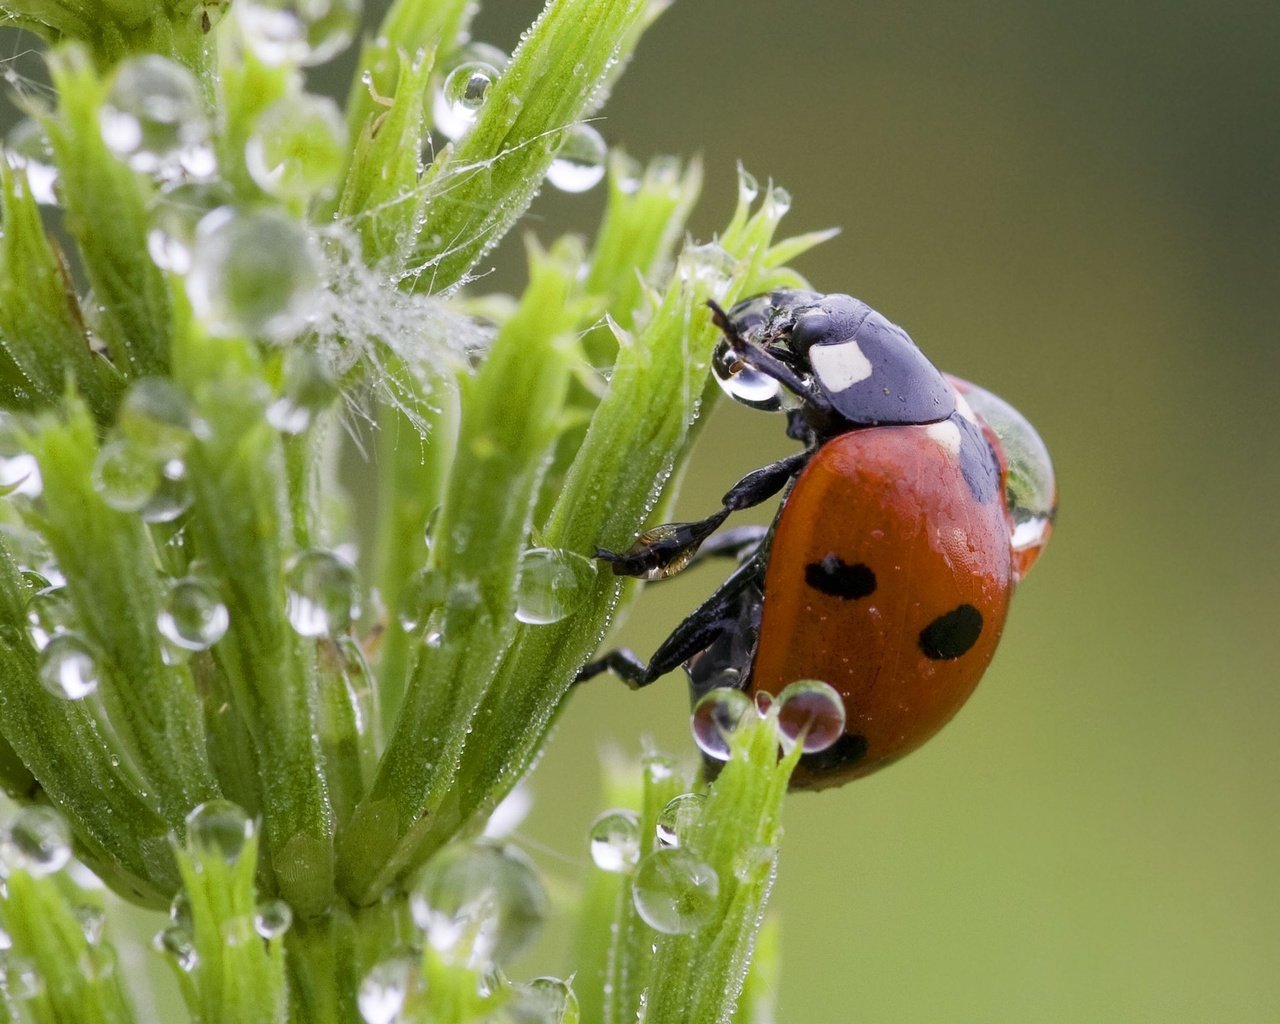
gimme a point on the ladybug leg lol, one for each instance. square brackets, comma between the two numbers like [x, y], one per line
[739, 543]
[665, 550]
[714, 618]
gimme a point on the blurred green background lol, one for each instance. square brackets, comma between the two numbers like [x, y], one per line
[1073, 204]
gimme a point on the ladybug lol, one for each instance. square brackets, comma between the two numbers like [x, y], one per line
[917, 503]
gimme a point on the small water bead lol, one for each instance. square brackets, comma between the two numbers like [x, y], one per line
[558, 1000]
[553, 583]
[219, 828]
[306, 32]
[273, 919]
[748, 186]
[385, 988]
[810, 713]
[615, 841]
[175, 941]
[1031, 492]
[479, 904]
[777, 201]
[322, 593]
[125, 475]
[93, 922]
[710, 265]
[154, 116]
[172, 497]
[675, 892]
[156, 416]
[678, 819]
[456, 104]
[741, 382]
[298, 147]
[424, 592]
[175, 214]
[26, 148]
[67, 667]
[49, 613]
[193, 616]
[254, 273]
[715, 718]
[38, 841]
[579, 163]
[308, 389]
[23, 981]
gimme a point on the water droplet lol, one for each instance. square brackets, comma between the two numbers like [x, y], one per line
[273, 919]
[748, 187]
[176, 942]
[307, 391]
[580, 161]
[677, 820]
[675, 892]
[557, 998]
[456, 104]
[219, 828]
[615, 840]
[553, 583]
[741, 382]
[777, 201]
[386, 986]
[93, 922]
[125, 475]
[425, 591]
[172, 497]
[298, 147]
[715, 717]
[810, 713]
[175, 213]
[323, 596]
[193, 617]
[67, 667]
[154, 117]
[658, 767]
[255, 273]
[27, 148]
[180, 909]
[305, 32]
[751, 862]
[479, 904]
[24, 983]
[1031, 492]
[156, 415]
[49, 612]
[710, 265]
[38, 841]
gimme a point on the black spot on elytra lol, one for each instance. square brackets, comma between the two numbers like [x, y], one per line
[848, 749]
[839, 579]
[978, 463]
[951, 635]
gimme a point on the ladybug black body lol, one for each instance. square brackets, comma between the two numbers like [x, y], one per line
[888, 569]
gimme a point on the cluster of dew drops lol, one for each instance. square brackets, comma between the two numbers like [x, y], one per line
[258, 273]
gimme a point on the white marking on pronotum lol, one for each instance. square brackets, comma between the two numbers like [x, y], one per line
[946, 434]
[839, 366]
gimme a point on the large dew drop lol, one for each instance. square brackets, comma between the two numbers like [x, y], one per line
[27, 148]
[615, 841]
[322, 594]
[193, 616]
[67, 667]
[456, 104]
[298, 148]
[674, 891]
[308, 390]
[810, 713]
[49, 613]
[156, 416]
[579, 163]
[154, 117]
[386, 986]
[125, 475]
[38, 841]
[479, 905]
[254, 273]
[679, 818]
[175, 213]
[305, 32]
[553, 583]
[219, 828]
[715, 718]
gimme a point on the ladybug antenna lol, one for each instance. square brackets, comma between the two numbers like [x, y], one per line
[721, 319]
